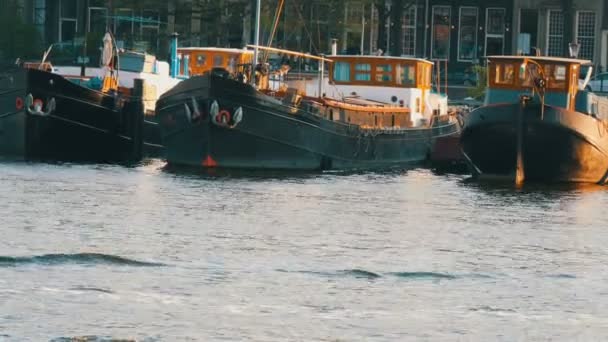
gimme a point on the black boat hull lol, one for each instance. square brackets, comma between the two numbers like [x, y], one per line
[558, 145]
[83, 126]
[274, 135]
[12, 115]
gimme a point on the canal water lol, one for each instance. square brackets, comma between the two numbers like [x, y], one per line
[144, 253]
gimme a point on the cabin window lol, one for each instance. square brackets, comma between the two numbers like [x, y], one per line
[201, 60]
[556, 76]
[407, 75]
[528, 74]
[504, 73]
[218, 60]
[363, 72]
[342, 72]
[384, 73]
[232, 63]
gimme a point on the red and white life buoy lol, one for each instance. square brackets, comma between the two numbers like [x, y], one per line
[223, 117]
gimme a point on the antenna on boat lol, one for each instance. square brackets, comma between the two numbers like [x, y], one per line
[256, 40]
[45, 55]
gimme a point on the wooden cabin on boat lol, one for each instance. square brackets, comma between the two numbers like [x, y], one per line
[395, 81]
[203, 59]
[511, 76]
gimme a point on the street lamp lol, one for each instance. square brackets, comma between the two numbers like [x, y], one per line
[574, 48]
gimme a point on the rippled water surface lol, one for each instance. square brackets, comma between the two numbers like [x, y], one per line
[154, 255]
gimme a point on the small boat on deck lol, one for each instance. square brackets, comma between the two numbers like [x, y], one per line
[47, 116]
[371, 112]
[538, 123]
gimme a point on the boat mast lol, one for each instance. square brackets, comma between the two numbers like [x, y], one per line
[256, 40]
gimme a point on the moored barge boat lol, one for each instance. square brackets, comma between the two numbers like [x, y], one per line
[51, 117]
[372, 112]
[538, 123]
[132, 66]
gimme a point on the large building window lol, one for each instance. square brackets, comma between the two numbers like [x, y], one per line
[495, 31]
[150, 26]
[409, 31]
[585, 33]
[124, 26]
[555, 33]
[97, 19]
[68, 20]
[467, 34]
[40, 15]
[440, 47]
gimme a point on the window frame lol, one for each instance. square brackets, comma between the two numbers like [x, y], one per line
[475, 44]
[549, 35]
[66, 19]
[495, 35]
[593, 38]
[92, 8]
[406, 28]
[449, 42]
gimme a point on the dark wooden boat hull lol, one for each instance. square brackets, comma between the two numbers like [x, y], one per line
[12, 118]
[152, 141]
[273, 135]
[85, 125]
[557, 146]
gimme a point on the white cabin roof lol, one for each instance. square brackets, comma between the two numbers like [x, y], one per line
[401, 58]
[544, 59]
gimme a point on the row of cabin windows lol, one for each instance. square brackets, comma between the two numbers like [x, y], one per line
[382, 73]
[513, 75]
[200, 60]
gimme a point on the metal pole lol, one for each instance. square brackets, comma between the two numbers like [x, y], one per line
[362, 29]
[426, 24]
[256, 41]
[321, 75]
[371, 27]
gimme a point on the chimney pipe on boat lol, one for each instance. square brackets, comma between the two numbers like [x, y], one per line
[174, 57]
[321, 74]
[334, 47]
[256, 41]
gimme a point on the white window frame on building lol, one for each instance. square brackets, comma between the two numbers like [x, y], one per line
[447, 54]
[66, 19]
[500, 35]
[586, 40]
[555, 33]
[474, 31]
[93, 9]
[408, 41]
[123, 12]
[152, 27]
